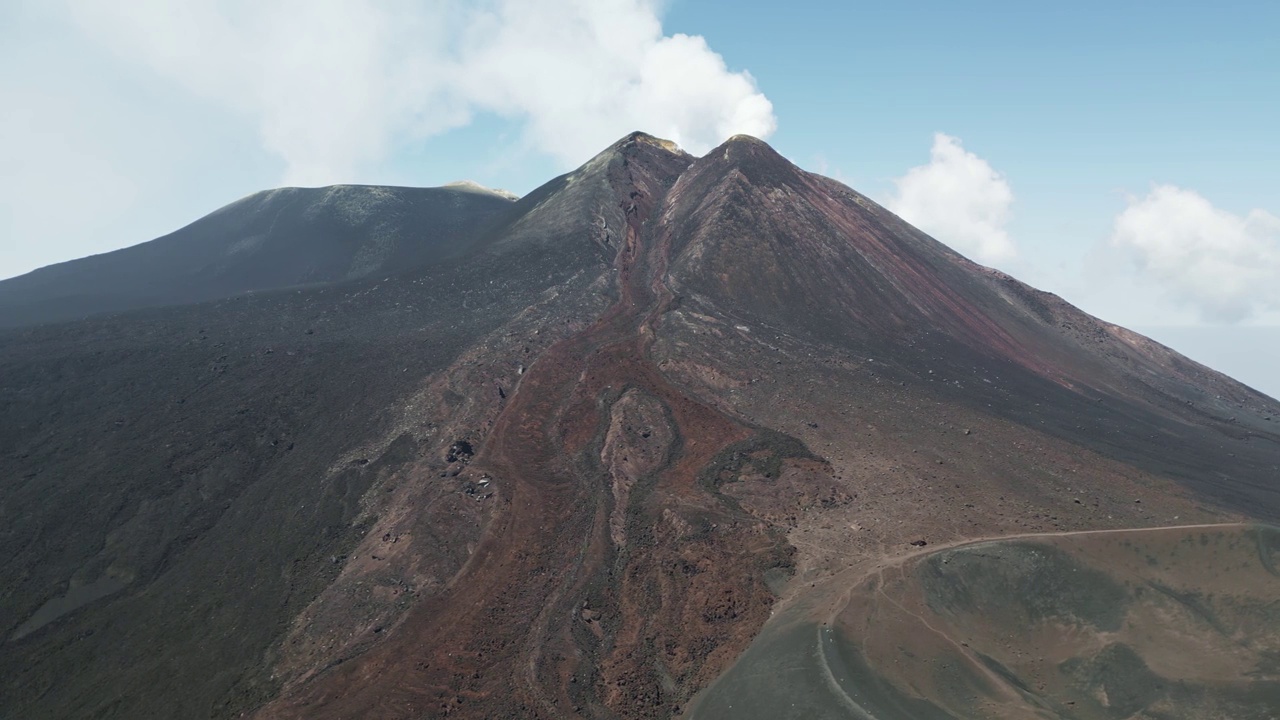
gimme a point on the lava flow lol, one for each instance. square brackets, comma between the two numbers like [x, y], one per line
[551, 603]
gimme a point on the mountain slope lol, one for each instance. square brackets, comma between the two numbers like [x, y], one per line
[273, 239]
[768, 243]
[657, 419]
[206, 468]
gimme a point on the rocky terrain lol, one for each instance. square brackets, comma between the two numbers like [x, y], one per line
[621, 448]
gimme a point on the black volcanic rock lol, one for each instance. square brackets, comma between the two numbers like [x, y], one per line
[276, 478]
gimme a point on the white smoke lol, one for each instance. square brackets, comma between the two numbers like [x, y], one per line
[1225, 266]
[335, 85]
[959, 199]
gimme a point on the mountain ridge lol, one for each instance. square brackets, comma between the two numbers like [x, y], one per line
[269, 240]
[575, 469]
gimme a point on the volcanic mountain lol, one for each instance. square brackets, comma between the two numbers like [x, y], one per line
[667, 437]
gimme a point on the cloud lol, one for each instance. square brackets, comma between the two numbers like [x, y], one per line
[585, 73]
[959, 199]
[1225, 266]
[336, 85]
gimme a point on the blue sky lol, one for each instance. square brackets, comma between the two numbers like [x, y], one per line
[1123, 155]
[1078, 105]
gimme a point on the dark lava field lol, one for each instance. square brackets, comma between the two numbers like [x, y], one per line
[667, 437]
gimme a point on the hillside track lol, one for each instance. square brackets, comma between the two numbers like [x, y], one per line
[858, 573]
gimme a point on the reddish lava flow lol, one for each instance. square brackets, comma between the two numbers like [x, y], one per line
[512, 636]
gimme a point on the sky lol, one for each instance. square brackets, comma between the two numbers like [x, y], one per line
[1122, 155]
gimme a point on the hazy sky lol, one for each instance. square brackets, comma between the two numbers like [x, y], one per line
[1123, 155]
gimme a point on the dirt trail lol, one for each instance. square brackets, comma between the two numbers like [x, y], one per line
[878, 567]
[854, 575]
[898, 560]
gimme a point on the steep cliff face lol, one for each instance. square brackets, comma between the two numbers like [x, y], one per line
[573, 463]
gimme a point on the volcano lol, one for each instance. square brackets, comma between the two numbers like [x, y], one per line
[667, 437]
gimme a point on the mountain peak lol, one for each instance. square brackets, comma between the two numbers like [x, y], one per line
[472, 186]
[748, 151]
[647, 139]
[627, 145]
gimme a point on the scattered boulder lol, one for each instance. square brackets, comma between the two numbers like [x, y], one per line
[460, 451]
